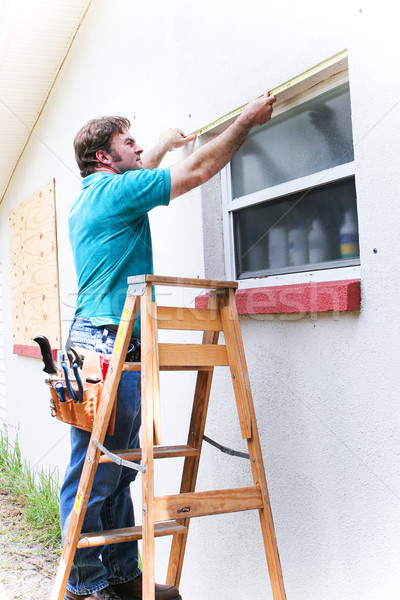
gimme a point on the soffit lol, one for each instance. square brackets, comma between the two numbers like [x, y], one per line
[35, 36]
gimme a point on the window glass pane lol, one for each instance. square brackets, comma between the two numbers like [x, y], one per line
[309, 138]
[312, 229]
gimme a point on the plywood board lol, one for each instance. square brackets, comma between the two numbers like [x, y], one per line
[34, 269]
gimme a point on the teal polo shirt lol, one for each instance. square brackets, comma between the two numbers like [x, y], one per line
[110, 236]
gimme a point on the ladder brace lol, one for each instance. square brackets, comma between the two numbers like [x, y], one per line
[118, 460]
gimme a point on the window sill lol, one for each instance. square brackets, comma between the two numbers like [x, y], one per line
[31, 351]
[337, 296]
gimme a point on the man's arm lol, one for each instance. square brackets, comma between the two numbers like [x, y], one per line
[208, 160]
[169, 140]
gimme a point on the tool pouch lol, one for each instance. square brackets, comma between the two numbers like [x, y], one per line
[79, 414]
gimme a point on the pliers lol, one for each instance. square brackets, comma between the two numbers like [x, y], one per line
[76, 362]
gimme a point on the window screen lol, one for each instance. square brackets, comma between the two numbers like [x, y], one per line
[309, 138]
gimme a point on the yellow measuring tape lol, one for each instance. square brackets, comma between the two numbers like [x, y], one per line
[278, 90]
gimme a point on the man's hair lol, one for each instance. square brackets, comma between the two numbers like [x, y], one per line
[96, 135]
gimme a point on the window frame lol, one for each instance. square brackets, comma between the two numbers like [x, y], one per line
[342, 271]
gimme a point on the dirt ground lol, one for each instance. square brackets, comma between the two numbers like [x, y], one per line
[26, 569]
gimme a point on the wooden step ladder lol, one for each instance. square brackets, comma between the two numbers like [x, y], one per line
[170, 515]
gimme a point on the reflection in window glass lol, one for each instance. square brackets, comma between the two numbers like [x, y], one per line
[308, 230]
[309, 138]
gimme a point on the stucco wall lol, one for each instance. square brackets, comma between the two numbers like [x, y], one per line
[325, 388]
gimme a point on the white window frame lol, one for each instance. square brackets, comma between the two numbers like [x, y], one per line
[230, 205]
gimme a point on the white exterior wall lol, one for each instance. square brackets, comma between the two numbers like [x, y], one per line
[325, 388]
[3, 401]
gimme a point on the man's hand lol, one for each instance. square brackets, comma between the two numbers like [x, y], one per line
[258, 111]
[175, 138]
[206, 161]
[169, 140]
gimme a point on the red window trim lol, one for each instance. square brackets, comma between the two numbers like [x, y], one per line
[339, 296]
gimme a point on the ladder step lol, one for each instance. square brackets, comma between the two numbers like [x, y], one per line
[159, 452]
[181, 281]
[192, 355]
[187, 356]
[116, 536]
[191, 319]
[200, 504]
[137, 366]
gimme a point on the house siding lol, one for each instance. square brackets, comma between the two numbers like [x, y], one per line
[3, 399]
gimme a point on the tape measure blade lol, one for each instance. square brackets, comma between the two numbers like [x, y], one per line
[309, 73]
[220, 121]
[277, 90]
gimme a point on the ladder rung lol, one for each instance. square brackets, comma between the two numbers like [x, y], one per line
[187, 356]
[159, 452]
[191, 355]
[200, 504]
[193, 319]
[116, 536]
[137, 366]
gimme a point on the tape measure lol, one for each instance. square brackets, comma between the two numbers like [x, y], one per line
[278, 90]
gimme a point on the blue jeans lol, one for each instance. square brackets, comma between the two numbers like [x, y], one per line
[110, 504]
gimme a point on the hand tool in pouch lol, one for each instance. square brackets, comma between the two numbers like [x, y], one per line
[75, 391]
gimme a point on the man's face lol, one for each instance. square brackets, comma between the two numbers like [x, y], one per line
[125, 153]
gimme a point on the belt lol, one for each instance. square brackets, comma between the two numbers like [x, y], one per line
[108, 326]
[113, 327]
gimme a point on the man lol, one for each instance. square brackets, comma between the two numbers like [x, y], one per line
[110, 238]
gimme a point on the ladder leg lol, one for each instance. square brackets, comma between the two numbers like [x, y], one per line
[156, 396]
[100, 427]
[150, 399]
[234, 343]
[195, 438]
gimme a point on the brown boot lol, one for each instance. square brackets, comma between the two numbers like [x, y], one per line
[106, 594]
[133, 589]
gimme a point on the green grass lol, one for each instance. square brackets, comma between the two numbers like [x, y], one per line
[36, 493]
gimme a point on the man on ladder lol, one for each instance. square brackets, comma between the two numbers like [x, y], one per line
[110, 238]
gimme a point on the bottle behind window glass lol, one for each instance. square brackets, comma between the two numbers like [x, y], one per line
[317, 242]
[298, 244]
[278, 247]
[349, 236]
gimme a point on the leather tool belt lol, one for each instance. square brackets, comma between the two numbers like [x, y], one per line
[76, 404]
[78, 414]
[76, 384]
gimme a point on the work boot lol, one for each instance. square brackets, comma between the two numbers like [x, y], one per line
[133, 589]
[105, 594]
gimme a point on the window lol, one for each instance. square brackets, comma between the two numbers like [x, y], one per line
[289, 193]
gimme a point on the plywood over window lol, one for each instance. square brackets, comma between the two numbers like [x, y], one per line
[34, 271]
